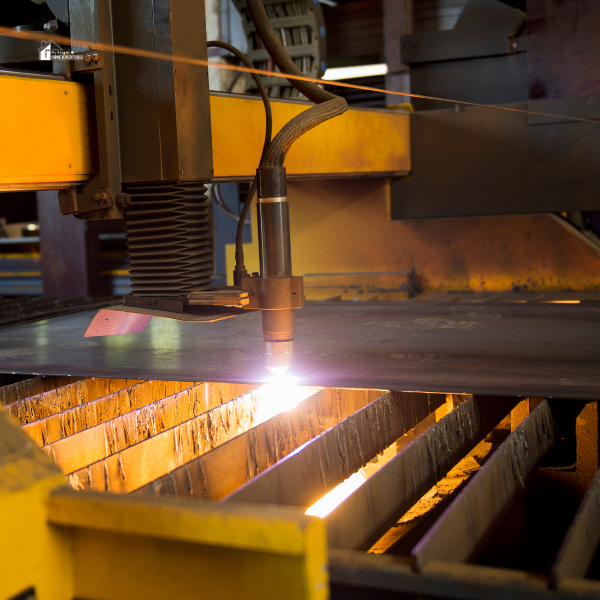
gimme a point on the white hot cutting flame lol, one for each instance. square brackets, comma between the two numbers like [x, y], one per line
[280, 395]
[321, 508]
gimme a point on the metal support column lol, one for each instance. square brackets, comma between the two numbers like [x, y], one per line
[70, 251]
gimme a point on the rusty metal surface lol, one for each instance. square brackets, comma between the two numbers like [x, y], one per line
[64, 397]
[92, 411]
[95, 442]
[561, 64]
[304, 477]
[581, 543]
[138, 465]
[390, 492]
[31, 387]
[349, 232]
[481, 505]
[537, 350]
[219, 472]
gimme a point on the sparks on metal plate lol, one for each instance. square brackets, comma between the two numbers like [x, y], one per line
[279, 395]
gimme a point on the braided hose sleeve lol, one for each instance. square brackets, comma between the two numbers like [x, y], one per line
[299, 125]
[239, 240]
[280, 56]
[328, 105]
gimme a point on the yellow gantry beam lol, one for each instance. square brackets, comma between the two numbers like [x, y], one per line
[48, 133]
[66, 544]
[49, 137]
[359, 142]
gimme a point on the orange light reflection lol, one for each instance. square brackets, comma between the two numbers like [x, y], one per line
[322, 507]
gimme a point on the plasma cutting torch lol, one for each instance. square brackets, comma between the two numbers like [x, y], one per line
[276, 291]
[155, 159]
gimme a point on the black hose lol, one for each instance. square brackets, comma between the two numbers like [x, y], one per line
[218, 200]
[328, 105]
[239, 236]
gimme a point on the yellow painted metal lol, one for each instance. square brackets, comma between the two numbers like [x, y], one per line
[34, 555]
[50, 137]
[48, 133]
[361, 141]
[340, 226]
[128, 548]
[66, 544]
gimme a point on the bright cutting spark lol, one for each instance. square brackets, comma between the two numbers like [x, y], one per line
[355, 72]
[321, 508]
[278, 372]
[280, 395]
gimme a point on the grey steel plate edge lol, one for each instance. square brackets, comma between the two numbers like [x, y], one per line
[535, 350]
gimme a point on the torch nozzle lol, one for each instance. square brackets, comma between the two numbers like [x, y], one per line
[278, 333]
[279, 356]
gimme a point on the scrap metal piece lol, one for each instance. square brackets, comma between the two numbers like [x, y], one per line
[121, 320]
[301, 479]
[480, 506]
[582, 540]
[117, 321]
[221, 471]
[375, 506]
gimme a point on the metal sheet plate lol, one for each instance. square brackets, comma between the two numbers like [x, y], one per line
[537, 350]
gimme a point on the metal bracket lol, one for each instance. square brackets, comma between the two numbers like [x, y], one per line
[71, 202]
[91, 61]
[91, 198]
[273, 294]
[220, 296]
[199, 303]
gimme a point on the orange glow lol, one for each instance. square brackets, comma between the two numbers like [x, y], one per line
[280, 395]
[322, 507]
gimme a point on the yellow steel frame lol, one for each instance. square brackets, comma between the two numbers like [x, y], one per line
[373, 142]
[49, 137]
[67, 544]
[48, 133]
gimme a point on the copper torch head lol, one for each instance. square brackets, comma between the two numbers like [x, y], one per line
[278, 332]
